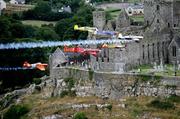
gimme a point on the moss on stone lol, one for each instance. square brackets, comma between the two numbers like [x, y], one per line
[91, 73]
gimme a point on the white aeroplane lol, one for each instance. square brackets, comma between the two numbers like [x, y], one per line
[130, 38]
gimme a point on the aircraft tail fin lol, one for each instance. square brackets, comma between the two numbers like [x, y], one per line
[76, 27]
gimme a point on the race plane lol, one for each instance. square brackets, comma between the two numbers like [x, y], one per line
[38, 65]
[80, 50]
[114, 46]
[95, 31]
[89, 29]
[130, 38]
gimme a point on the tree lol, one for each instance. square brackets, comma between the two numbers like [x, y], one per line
[46, 33]
[65, 28]
[4, 27]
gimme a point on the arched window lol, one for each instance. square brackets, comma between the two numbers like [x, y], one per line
[147, 22]
[148, 51]
[153, 51]
[169, 25]
[102, 59]
[163, 49]
[158, 50]
[157, 20]
[143, 51]
[157, 7]
[174, 51]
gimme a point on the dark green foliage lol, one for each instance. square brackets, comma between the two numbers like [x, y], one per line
[70, 84]
[162, 104]
[109, 107]
[145, 78]
[37, 81]
[170, 86]
[65, 28]
[91, 72]
[174, 98]
[16, 111]
[5, 26]
[80, 115]
[42, 11]
[64, 93]
[46, 33]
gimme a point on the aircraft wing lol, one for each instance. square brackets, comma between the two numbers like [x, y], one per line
[41, 67]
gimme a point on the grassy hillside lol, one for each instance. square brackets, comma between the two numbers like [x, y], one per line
[127, 108]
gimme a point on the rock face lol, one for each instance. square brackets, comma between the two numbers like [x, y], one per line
[116, 86]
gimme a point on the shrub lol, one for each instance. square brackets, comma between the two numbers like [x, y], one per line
[174, 98]
[16, 111]
[162, 104]
[109, 107]
[37, 81]
[91, 72]
[64, 93]
[80, 115]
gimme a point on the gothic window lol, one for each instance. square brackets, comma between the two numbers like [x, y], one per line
[157, 20]
[163, 49]
[157, 7]
[147, 22]
[174, 25]
[168, 24]
[108, 59]
[143, 51]
[158, 49]
[153, 51]
[174, 51]
[102, 59]
[148, 51]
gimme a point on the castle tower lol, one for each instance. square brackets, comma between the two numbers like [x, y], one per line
[99, 19]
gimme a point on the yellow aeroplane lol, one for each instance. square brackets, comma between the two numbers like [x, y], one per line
[89, 29]
[114, 46]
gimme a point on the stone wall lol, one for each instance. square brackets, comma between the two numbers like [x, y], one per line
[117, 59]
[115, 86]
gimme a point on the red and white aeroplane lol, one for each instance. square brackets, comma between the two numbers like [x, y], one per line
[38, 65]
[80, 50]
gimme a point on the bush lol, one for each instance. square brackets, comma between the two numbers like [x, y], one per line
[80, 115]
[70, 83]
[64, 93]
[16, 111]
[37, 81]
[162, 104]
[109, 107]
[174, 98]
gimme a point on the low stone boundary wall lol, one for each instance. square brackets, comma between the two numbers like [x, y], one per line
[115, 86]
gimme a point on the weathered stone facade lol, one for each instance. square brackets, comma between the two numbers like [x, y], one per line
[161, 21]
[117, 59]
[116, 86]
[161, 25]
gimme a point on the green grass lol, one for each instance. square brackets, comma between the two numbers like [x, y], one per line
[138, 18]
[113, 12]
[37, 23]
[148, 69]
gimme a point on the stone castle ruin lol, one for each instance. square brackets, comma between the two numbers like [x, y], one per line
[160, 43]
